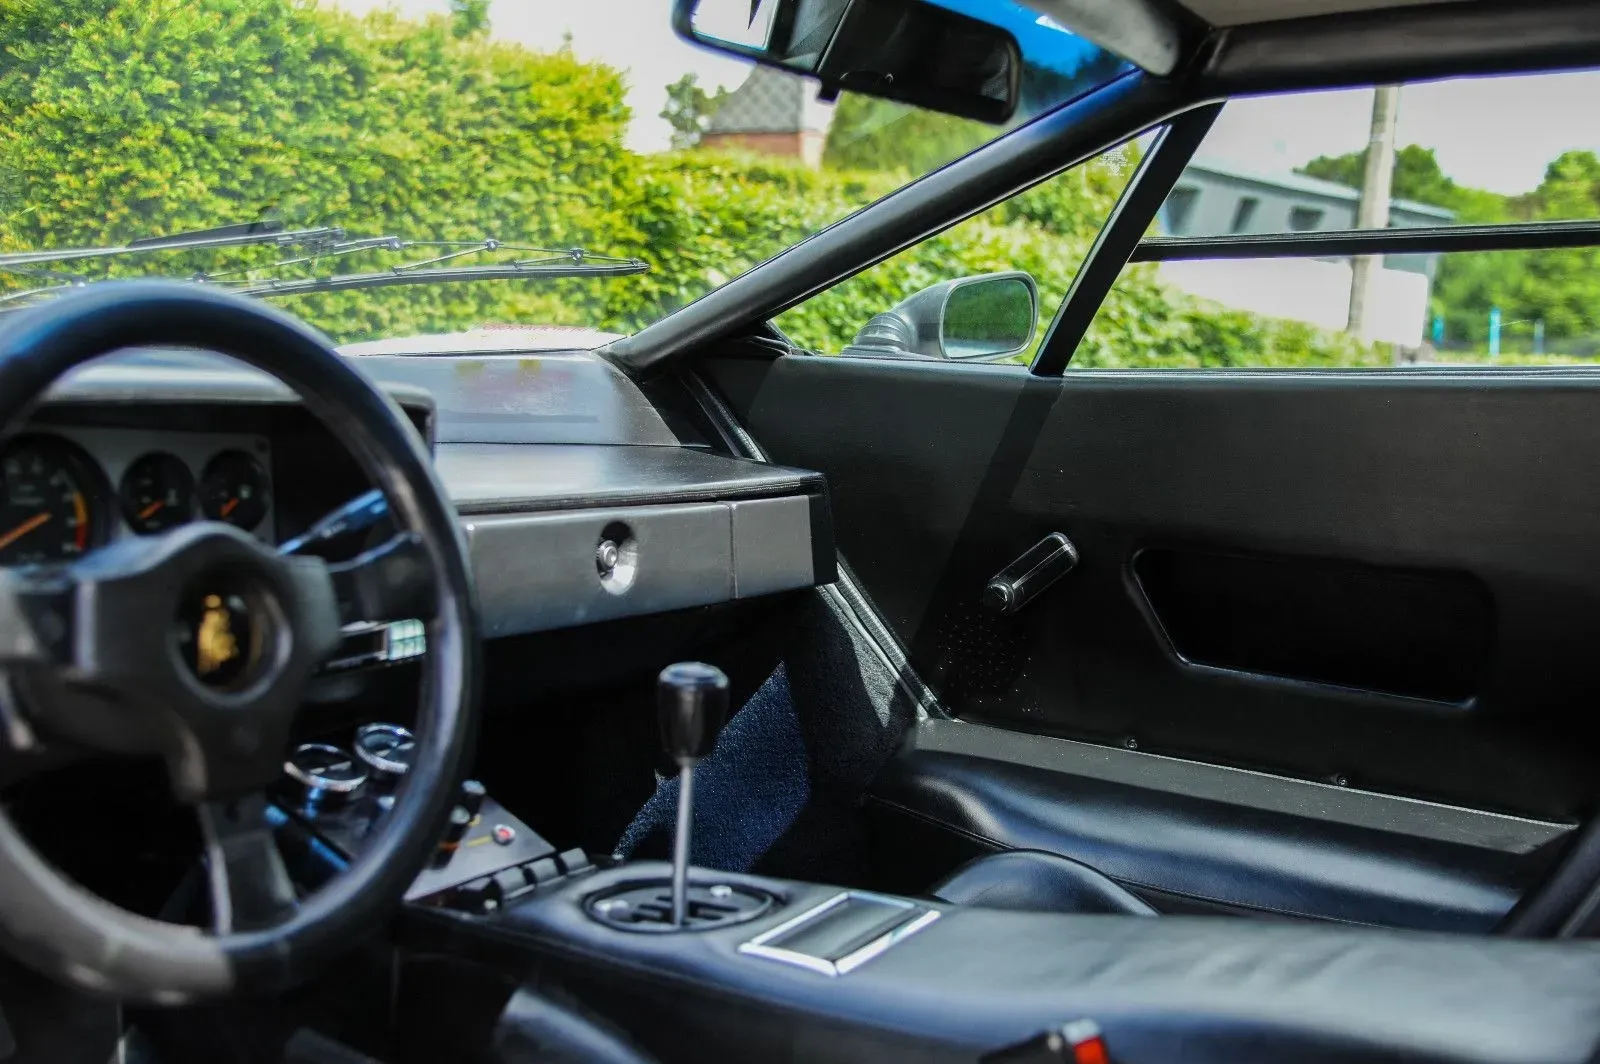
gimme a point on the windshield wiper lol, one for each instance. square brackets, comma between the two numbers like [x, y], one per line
[225, 236]
[574, 262]
[330, 243]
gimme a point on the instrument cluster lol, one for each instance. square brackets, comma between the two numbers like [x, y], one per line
[64, 492]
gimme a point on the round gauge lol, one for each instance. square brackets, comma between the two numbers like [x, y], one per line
[233, 488]
[385, 749]
[50, 501]
[323, 773]
[157, 493]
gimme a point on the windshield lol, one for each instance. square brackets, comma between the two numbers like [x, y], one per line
[481, 164]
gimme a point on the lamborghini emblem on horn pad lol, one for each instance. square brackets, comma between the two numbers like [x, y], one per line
[215, 642]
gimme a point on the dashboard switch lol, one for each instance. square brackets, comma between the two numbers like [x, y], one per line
[470, 796]
[543, 870]
[511, 882]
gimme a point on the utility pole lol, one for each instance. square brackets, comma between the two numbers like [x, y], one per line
[1372, 212]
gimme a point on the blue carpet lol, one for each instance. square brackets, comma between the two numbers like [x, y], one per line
[746, 794]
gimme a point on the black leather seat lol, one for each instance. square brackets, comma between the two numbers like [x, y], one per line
[1031, 880]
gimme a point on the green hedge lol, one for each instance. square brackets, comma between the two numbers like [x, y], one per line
[126, 118]
[122, 119]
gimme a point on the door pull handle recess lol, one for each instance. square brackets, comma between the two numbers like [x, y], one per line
[1040, 566]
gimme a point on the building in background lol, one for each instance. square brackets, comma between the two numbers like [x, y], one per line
[1214, 199]
[773, 113]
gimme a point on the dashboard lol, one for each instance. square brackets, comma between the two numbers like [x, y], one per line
[579, 502]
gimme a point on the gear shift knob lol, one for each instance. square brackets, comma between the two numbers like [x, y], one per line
[692, 700]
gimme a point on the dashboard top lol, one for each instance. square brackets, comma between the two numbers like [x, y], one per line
[543, 397]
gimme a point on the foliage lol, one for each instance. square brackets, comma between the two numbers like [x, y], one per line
[120, 120]
[1417, 177]
[868, 133]
[689, 107]
[468, 17]
[1145, 324]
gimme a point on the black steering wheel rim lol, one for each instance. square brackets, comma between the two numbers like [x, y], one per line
[61, 929]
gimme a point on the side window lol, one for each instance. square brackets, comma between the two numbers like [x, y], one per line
[983, 290]
[1301, 164]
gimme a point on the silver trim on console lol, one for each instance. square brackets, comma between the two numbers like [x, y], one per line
[757, 947]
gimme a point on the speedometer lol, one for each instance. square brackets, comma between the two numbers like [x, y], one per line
[50, 505]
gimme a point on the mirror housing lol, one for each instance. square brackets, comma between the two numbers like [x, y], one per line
[988, 315]
[910, 51]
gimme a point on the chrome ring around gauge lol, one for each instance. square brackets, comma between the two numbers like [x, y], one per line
[385, 749]
[324, 773]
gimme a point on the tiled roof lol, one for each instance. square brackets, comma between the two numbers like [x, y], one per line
[771, 101]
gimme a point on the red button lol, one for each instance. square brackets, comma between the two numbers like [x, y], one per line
[504, 834]
[1088, 1047]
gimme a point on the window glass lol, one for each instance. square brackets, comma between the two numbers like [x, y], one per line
[383, 136]
[1509, 308]
[1488, 151]
[923, 303]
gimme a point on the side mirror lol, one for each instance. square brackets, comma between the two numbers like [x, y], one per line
[907, 50]
[987, 316]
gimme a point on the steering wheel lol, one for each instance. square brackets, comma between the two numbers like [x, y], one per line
[195, 645]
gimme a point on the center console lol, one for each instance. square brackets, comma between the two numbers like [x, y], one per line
[332, 796]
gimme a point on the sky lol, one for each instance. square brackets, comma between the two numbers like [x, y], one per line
[1496, 134]
[1493, 133]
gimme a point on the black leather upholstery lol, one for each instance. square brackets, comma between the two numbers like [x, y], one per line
[1201, 991]
[1198, 850]
[1029, 880]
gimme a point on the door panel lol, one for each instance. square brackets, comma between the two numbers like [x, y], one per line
[1386, 581]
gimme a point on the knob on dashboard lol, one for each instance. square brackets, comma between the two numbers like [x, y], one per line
[385, 750]
[470, 796]
[322, 776]
[460, 821]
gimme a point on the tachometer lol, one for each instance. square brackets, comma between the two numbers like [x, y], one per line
[157, 493]
[233, 488]
[50, 508]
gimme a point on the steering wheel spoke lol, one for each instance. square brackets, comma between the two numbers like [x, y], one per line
[36, 614]
[248, 885]
[391, 582]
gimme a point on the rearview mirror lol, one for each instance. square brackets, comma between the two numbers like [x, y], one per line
[906, 50]
[987, 316]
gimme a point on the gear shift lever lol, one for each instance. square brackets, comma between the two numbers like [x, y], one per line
[692, 700]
